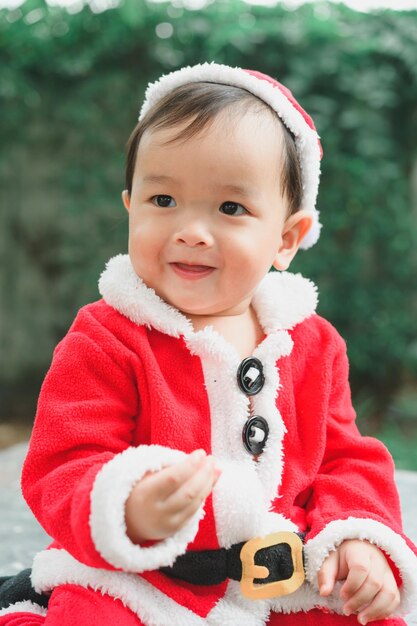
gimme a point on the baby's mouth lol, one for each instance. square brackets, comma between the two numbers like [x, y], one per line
[191, 270]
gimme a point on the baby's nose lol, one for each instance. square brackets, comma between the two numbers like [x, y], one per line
[194, 233]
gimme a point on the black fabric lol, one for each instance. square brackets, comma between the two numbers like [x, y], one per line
[211, 567]
[278, 560]
[19, 588]
[205, 567]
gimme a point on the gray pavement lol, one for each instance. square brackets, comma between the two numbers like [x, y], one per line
[21, 536]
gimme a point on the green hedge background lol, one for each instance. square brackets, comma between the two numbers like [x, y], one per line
[70, 90]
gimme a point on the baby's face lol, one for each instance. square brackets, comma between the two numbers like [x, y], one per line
[206, 214]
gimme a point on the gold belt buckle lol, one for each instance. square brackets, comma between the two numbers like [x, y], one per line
[250, 571]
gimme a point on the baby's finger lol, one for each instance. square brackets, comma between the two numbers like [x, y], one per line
[168, 480]
[358, 566]
[364, 596]
[182, 516]
[194, 491]
[326, 577]
[382, 606]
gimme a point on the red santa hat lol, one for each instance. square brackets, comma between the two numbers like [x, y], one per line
[280, 99]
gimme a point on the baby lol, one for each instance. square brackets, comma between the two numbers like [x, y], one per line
[195, 456]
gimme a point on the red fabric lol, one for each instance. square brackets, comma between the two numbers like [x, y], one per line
[71, 605]
[126, 618]
[320, 618]
[114, 384]
[334, 472]
[21, 619]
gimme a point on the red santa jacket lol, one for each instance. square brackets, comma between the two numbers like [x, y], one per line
[132, 388]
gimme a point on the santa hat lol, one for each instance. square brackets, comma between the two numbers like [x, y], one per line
[279, 98]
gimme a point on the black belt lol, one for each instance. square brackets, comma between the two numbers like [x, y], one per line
[266, 567]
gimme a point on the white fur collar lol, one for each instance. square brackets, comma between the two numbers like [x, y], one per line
[281, 301]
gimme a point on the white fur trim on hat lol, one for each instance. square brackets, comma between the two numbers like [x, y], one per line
[306, 139]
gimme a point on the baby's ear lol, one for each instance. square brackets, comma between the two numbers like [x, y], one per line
[126, 199]
[295, 229]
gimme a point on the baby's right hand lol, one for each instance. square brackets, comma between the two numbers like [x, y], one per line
[162, 502]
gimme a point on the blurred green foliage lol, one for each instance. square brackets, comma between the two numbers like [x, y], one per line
[70, 89]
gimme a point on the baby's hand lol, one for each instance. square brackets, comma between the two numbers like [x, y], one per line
[369, 589]
[162, 502]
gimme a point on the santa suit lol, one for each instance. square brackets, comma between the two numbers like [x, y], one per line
[131, 389]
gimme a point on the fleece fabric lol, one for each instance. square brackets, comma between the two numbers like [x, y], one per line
[132, 388]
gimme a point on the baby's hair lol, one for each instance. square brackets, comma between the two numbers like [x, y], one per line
[201, 102]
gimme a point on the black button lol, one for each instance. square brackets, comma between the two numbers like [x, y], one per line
[255, 433]
[250, 376]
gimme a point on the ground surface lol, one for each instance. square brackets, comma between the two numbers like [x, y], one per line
[21, 537]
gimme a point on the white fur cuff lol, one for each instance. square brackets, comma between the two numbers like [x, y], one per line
[318, 548]
[111, 490]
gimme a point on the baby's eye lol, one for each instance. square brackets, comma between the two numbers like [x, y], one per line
[163, 201]
[232, 208]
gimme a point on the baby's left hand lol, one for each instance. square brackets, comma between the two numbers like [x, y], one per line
[369, 588]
